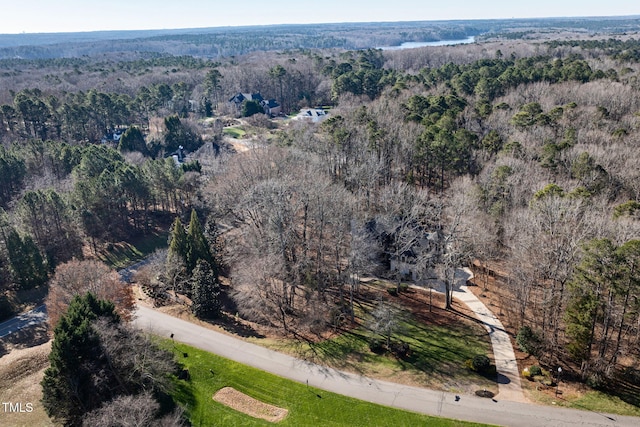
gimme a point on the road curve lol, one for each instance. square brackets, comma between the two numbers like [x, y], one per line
[468, 407]
[30, 318]
[39, 314]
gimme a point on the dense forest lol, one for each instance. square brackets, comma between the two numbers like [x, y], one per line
[517, 155]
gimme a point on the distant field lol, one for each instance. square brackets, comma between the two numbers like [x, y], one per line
[234, 132]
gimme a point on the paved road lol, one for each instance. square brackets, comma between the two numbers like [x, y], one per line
[39, 314]
[468, 407]
[33, 317]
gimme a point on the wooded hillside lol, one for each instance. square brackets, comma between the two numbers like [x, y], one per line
[522, 154]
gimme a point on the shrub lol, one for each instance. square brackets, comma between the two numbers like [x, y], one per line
[527, 374]
[403, 287]
[528, 341]
[401, 349]
[535, 371]
[481, 363]
[393, 291]
[595, 381]
[376, 346]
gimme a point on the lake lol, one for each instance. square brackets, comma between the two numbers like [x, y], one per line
[413, 45]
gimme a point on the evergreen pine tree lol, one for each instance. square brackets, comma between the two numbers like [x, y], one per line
[133, 140]
[69, 389]
[205, 291]
[178, 242]
[216, 246]
[27, 264]
[198, 247]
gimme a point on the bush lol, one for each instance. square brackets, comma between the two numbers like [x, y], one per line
[528, 341]
[596, 381]
[393, 291]
[376, 346]
[527, 374]
[403, 287]
[480, 363]
[535, 371]
[401, 349]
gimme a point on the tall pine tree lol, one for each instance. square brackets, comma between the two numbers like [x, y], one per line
[27, 265]
[178, 242]
[198, 246]
[216, 246]
[69, 389]
[205, 291]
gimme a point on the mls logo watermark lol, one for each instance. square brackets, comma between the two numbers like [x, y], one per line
[17, 407]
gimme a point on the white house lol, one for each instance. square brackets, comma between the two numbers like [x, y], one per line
[314, 115]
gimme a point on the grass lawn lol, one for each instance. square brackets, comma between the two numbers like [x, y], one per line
[591, 400]
[234, 132]
[123, 254]
[437, 356]
[440, 344]
[305, 406]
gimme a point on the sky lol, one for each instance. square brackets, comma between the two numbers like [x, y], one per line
[44, 16]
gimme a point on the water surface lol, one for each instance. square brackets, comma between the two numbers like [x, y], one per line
[413, 45]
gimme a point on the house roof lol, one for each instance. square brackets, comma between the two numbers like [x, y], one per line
[272, 103]
[313, 114]
[241, 97]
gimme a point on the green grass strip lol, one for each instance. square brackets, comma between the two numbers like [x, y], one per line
[307, 406]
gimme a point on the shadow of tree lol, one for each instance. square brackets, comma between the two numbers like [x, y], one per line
[28, 337]
[502, 379]
[626, 391]
[231, 324]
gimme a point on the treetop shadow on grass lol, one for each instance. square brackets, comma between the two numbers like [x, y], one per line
[432, 355]
[230, 324]
[121, 254]
[626, 391]
[183, 392]
[478, 321]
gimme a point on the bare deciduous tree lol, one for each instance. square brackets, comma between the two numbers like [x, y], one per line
[79, 277]
[386, 320]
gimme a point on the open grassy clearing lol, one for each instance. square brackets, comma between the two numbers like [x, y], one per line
[123, 254]
[307, 406]
[234, 131]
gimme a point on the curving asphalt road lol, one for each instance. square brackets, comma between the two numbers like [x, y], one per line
[30, 318]
[506, 409]
[39, 314]
[468, 407]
